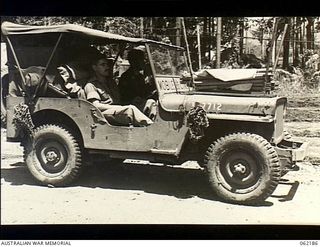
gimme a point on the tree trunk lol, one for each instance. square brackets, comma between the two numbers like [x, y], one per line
[274, 52]
[241, 38]
[286, 47]
[219, 24]
[301, 38]
[204, 40]
[296, 51]
[309, 32]
[212, 35]
[178, 31]
[199, 46]
[312, 36]
[141, 27]
[261, 41]
[209, 38]
[292, 40]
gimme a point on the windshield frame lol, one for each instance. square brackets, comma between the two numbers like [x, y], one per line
[170, 60]
[176, 79]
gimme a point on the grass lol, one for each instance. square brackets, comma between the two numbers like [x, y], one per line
[296, 87]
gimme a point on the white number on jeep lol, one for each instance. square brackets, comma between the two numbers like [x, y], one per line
[209, 107]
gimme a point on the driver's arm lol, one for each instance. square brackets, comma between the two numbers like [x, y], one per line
[93, 96]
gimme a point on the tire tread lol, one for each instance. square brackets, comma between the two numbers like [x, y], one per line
[75, 172]
[270, 153]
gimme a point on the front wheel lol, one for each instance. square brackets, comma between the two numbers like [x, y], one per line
[243, 168]
[54, 155]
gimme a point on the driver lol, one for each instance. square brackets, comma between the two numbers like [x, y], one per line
[101, 91]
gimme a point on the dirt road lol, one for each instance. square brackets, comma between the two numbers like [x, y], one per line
[135, 192]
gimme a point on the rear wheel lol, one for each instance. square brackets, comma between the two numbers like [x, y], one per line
[54, 155]
[243, 168]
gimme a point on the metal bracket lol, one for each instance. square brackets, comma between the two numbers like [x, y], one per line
[93, 130]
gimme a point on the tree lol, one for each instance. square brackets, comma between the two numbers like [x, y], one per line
[309, 29]
[286, 45]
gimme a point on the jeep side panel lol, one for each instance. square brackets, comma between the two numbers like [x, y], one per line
[165, 135]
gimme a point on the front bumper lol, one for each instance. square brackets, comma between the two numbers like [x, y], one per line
[290, 152]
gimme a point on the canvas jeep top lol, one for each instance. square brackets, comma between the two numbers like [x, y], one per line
[235, 135]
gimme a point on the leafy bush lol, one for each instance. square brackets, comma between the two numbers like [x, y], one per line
[303, 79]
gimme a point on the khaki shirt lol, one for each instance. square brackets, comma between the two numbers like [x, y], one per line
[96, 90]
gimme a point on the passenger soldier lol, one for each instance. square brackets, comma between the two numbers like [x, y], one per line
[133, 84]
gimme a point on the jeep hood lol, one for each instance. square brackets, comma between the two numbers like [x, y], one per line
[222, 104]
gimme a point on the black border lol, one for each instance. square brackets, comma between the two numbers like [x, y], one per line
[160, 232]
[158, 8]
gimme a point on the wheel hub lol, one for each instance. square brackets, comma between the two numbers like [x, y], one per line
[239, 168]
[51, 156]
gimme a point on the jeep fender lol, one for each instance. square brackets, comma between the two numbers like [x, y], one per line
[82, 112]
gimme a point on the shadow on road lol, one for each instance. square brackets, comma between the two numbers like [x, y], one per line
[17, 174]
[163, 180]
[179, 182]
[174, 181]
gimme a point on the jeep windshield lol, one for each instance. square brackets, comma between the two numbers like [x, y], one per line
[168, 60]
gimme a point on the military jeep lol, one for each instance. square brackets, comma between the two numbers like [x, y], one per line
[237, 137]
